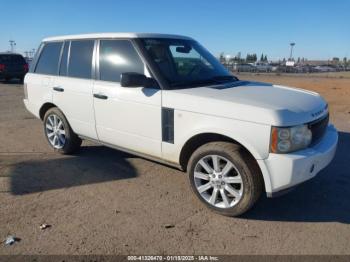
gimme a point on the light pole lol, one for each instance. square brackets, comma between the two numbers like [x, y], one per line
[291, 51]
[12, 44]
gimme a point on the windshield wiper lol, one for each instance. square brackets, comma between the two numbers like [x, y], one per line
[194, 83]
[224, 78]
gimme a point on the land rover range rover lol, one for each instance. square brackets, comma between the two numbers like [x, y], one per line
[166, 98]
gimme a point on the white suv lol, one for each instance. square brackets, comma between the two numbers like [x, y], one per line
[166, 98]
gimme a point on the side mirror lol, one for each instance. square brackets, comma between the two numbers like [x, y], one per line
[136, 80]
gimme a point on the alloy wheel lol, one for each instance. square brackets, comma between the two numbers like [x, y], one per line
[218, 181]
[55, 131]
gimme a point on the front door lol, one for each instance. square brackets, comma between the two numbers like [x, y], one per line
[129, 118]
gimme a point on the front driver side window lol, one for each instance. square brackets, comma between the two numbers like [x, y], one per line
[117, 57]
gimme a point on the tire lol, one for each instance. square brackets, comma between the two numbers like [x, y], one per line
[244, 178]
[59, 134]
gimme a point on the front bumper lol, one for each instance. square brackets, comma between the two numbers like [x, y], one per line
[285, 171]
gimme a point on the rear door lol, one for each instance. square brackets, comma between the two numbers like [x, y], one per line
[40, 82]
[72, 90]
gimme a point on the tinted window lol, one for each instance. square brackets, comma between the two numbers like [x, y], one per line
[117, 57]
[80, 58]
[48, 60]
[15, 59]
[64, 64]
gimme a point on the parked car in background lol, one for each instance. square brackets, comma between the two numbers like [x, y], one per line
[274, 67]
[244, 67]
[325, 68]
[262, 67]
[299, 69]
[12, 66]
[166, 98]
[308, 68]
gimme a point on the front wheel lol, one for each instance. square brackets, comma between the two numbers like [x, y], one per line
[58, 132]
[225, 178]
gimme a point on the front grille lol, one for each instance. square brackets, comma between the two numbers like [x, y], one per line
[318, 128]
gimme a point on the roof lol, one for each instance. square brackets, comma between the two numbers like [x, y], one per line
[9, 53]
[114, 35]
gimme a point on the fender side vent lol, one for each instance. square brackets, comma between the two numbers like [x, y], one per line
[168, 125]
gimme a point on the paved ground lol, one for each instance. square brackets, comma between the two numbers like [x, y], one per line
[103, 201]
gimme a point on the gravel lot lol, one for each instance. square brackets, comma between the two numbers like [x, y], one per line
[103, 201]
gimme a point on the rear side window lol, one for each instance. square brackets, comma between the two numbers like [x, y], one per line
[80, 58]
[48, 60]
[64, 60]
[117, 57]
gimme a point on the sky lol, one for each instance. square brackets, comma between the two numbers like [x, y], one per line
[320, 29]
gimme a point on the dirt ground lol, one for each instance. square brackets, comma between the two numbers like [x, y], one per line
[103, 201]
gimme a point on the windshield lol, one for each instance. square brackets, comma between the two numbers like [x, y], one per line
[185, 63]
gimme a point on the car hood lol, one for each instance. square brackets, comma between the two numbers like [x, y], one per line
[250, 101]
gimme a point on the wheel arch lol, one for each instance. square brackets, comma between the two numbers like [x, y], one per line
[200, 139]
[44, 108]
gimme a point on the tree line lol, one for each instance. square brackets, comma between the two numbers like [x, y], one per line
[250, 58]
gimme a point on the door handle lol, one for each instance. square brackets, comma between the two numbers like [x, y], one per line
[100, 96]
[58, 89]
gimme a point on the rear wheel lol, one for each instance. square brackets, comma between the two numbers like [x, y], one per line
[224, 178]
[58, 132]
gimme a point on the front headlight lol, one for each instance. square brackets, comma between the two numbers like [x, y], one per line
[289, 139]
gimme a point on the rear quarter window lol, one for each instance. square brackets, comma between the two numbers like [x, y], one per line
[48, 60]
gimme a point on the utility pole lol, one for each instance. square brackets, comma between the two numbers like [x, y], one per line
[291, 51]
[13, 45]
